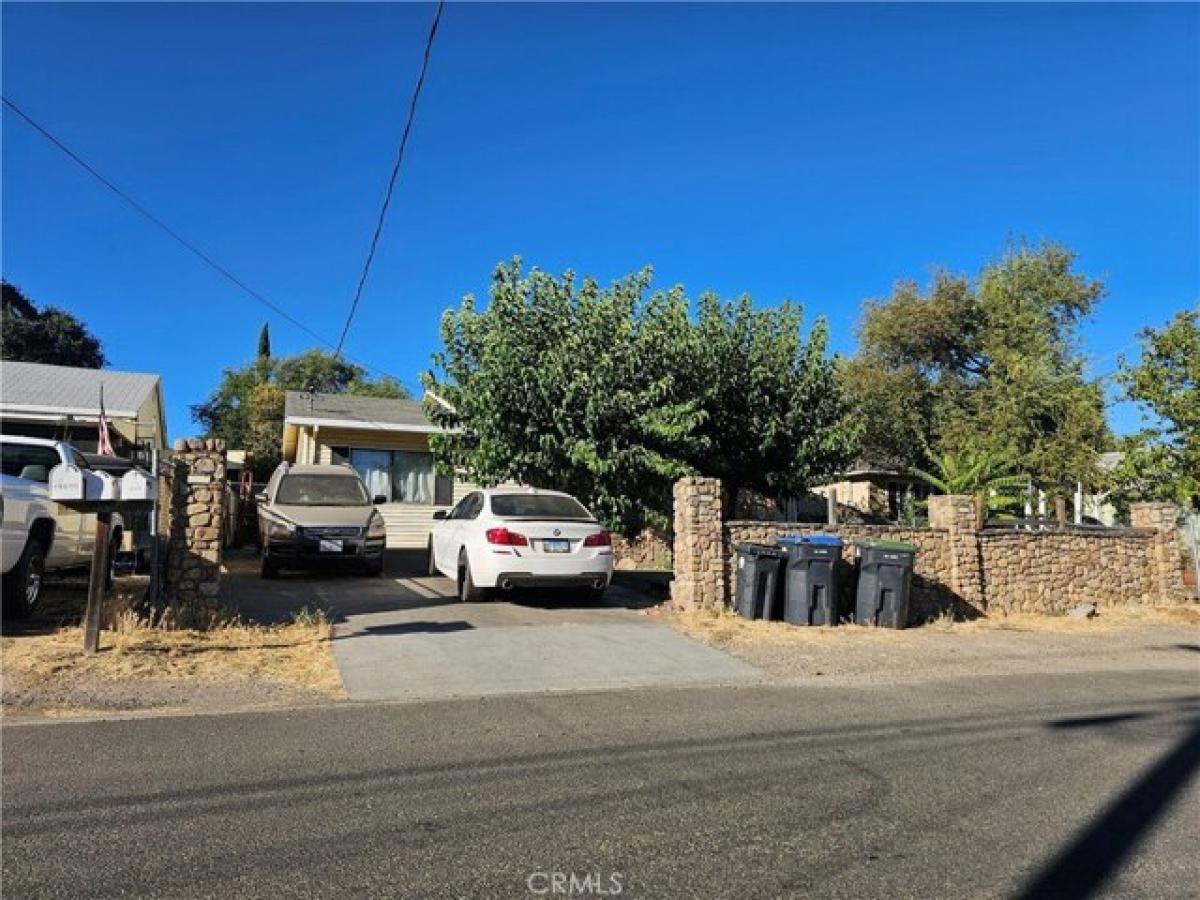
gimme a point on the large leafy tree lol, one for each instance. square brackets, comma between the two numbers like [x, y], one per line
[989, 365]
[1162, 460]
[47, 335]
[246, 408]
[775, 421]
[613, 392]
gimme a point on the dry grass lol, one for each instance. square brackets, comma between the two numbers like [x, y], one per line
[727, 629]
[296, 654]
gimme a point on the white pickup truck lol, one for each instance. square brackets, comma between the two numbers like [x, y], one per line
[38, 534]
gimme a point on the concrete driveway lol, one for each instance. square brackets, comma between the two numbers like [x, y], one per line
[407, 637]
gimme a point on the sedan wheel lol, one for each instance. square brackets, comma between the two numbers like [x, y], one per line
[467, 591]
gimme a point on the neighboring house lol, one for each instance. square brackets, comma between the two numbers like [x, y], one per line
[875, 491]
[63, 403]
[879, 491]
[387, 442]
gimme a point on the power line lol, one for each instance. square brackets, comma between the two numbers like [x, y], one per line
[173, 234]
[387, 197]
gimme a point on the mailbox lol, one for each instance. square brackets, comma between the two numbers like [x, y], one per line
[102, 486]
[138, 485]
[67, 482]
[71, 483]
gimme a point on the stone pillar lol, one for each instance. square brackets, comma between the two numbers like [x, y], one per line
[699, 581]
[197, 515]
[956, 514]
[1166, 572]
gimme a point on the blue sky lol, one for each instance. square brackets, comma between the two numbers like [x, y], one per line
[810, 152]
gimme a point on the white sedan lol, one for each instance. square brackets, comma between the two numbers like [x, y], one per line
[509, 538]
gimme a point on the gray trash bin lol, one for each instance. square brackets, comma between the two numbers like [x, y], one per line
[756, 580]
[810, 589]
[884, 578]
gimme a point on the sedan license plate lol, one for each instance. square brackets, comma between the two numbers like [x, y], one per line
[562, 546]
[330, 546]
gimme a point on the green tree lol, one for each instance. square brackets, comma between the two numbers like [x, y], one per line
[776, 421]
[1162, 460]
[611, 393]
[984, 365]
[49, 335]
[249, 416]
[264, 342]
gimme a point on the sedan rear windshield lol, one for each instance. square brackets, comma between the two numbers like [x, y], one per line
[538, 506]
[321, 490]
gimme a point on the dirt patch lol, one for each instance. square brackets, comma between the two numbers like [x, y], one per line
[1118, 638]
[233, 666]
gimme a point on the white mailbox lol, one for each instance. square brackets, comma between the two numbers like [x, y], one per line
[71, 483]
[101, 486]
[138, 485]
[67, 482]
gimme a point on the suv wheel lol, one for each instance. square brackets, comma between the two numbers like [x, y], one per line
[23, 585]
[467, 591]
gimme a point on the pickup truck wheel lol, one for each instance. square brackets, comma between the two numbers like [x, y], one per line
[23, 585]
[467, 591]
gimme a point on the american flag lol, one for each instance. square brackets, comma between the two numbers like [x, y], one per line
[103, 441]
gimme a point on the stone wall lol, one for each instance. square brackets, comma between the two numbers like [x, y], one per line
[647, 551]
[958, 516]
[1165, 549]
[193, 581]
[931, 573]
[1055, 571]
[959, 568]
[699, 581]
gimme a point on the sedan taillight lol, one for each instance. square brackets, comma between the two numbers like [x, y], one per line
[506, 538]
[599, 539]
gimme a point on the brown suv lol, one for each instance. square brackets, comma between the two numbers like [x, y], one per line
[318, 515]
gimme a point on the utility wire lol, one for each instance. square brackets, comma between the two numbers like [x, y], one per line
[387, 197]
[174, 235]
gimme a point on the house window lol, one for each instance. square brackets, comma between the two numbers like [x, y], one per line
[403, 476]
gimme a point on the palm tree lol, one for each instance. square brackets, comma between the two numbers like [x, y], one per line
[985, 474]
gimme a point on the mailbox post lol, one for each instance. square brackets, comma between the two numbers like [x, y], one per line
[97, 583]
[101, 494]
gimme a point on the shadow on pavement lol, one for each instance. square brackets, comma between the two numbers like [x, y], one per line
[409, 628]
[405, 585]
[1093, 721]
[1081, 868]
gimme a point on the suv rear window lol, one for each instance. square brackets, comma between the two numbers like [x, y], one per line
[538, 506]
[321, 490]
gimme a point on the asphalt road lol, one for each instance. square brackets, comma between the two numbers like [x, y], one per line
[989, 787]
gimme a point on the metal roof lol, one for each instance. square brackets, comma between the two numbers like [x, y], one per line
[37, 387]
[348, 410]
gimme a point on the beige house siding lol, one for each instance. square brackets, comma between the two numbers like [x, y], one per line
[408, 524]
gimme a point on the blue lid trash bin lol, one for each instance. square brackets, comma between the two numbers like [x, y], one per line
[810, 582]
[884, 582]
[756, 580]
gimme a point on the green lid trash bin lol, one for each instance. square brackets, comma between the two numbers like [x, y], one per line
[884, 582]
[756, 580]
